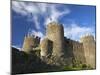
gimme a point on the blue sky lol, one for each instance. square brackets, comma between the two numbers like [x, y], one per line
[32, 17]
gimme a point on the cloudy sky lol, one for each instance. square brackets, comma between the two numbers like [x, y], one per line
[32, 17]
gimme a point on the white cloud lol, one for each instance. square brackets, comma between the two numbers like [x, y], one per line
[17, 47]
[35, 9]
[37, 24]
[29, 9]
[19, 7]
[24, 8]
[55, 14]
[75, 31]
[42, 7]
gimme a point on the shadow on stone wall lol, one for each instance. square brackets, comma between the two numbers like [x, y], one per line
[68, 47]
[29, 63]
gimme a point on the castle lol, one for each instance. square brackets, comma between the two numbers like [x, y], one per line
[58, 50]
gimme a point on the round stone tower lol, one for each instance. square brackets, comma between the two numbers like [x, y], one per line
[89, 49]
[55, 33]
[30, 42]
[46, 47]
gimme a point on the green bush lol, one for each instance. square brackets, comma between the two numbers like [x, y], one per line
[79, 67]
[70, 68]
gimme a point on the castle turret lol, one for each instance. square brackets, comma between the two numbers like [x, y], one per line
[46, 48]
[30, 42]
[89, 49]
[55, 33]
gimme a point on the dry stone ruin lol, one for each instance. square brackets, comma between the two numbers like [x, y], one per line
[59, 50]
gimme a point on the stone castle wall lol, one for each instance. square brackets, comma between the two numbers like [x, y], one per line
[74, 50]
[78, 51]
[57, 49]
[89, 50]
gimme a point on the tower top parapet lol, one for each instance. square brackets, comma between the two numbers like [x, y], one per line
[87, 37]
[54, 23]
